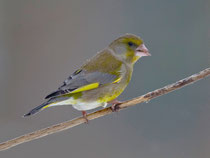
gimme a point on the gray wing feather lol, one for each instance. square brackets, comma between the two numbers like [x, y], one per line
[77, 80]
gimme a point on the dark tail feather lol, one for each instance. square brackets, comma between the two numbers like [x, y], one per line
[53, 94]
[36, 109]
[59, 93]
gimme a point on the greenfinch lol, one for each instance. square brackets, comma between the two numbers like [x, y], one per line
[101, 79]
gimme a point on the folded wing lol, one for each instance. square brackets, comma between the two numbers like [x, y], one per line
[83, 81]
[102, 69]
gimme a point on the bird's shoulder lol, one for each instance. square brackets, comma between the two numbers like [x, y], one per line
[105, 61]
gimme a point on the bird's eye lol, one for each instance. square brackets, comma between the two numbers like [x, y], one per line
[130, 44]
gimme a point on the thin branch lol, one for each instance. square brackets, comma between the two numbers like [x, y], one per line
[72, 123]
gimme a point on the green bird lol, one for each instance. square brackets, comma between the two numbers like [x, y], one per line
[101, 79]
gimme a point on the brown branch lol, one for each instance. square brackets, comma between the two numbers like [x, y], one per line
[69, 124]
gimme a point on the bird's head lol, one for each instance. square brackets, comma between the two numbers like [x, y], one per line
[130, 47]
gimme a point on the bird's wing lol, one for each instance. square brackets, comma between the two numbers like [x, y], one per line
[90, 76]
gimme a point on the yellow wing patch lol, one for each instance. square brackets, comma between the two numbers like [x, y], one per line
[86, 87]
[117, 80]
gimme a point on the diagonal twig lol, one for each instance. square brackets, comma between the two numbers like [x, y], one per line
[69, 124]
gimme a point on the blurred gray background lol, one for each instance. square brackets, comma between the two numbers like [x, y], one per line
[44, 41]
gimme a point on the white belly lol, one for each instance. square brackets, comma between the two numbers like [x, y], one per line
[79, 105]
[88, 106]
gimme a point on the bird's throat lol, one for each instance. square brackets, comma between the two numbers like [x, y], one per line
[131, 57]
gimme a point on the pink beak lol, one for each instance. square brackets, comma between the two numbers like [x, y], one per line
[142, 51]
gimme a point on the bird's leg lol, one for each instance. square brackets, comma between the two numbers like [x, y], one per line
[84, 114]
[115, 105]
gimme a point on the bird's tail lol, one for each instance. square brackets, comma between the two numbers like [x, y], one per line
[38, 109]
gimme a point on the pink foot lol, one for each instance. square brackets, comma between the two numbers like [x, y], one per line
[84, 114]
[115, 105]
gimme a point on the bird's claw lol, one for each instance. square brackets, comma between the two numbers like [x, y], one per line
[84, 114]
[115, 107]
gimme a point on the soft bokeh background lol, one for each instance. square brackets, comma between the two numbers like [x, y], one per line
[44, 41]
